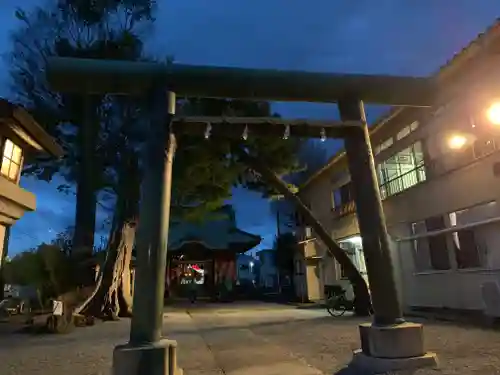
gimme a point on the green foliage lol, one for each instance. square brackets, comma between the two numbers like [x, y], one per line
[71, 28]
[46, 268]
[205, 171]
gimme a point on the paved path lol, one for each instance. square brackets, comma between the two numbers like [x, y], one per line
[261, 339]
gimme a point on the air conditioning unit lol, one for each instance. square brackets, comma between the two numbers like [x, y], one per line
[491, 299]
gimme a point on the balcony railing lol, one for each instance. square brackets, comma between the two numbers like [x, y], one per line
[403, 182]
[343, 210]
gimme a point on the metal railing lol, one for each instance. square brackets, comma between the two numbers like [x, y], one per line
[403, 182]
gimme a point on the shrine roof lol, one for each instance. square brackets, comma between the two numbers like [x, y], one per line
[215, 234]
[25, 127]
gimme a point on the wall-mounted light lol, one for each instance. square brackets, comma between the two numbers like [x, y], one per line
[493, 113]
[322, 135]
[457, 141]
[245, 133]
[286, 134]
[208, 131]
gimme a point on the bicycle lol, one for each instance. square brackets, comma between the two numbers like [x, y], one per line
[336, 301]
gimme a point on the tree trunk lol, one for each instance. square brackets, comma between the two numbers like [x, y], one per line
[86, 198]
[86, 194]
[362, 295]
[3, 257]
[112, 295]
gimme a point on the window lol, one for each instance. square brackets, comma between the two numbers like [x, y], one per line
[438, 248]
[383, 146]
[11, 161]
[407, 130]
[430, 253]
[402, 170]
[414, 126]
[470, 244]
[386, 144]
[342, 195]
[403, 133]
[483, 147]
[354, 249]
[390, 141]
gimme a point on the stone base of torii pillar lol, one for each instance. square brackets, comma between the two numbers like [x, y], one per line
[152, 359]
[392, 348]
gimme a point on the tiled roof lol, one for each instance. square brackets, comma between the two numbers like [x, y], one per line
[213, 234]
[458, 61]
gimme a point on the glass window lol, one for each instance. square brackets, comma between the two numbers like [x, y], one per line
[11, 161]
[386, 144]
[438, 248]
[342, 195]
[430, 253]
[402, 170]
[337, 200]
[466, 242]
[403, 132]
[483, 147]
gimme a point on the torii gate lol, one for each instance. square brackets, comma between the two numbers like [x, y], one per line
[388, 343]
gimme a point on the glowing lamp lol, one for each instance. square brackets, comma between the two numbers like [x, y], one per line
[457, 141]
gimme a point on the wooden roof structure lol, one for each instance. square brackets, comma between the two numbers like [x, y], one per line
[26, 128]
[214, 234]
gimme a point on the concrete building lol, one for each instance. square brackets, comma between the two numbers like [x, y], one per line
[21, 138]
[439, 176]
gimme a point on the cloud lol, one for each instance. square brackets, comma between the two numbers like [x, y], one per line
[385, 36]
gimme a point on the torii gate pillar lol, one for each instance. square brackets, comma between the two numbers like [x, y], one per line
[388, 343]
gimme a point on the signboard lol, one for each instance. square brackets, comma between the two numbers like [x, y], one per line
[57, 308]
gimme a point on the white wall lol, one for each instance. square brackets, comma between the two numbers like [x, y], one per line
[463, 188]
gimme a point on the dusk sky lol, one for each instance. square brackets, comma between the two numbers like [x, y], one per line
[412, 37]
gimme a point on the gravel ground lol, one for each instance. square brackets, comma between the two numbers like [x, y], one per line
[211, 342]
[327, 344]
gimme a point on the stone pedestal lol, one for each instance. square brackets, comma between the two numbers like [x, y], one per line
[154, 359]
[391, 348]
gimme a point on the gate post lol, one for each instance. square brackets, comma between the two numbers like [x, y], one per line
[389, 343]
[146, 352]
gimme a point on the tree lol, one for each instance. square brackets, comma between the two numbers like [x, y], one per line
[285, 245]
[204, 172]
[259, 163]
[46, 268]
[76, 28]
[362, 295]
[311, 157]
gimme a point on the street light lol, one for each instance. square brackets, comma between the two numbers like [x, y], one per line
[493, 113]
